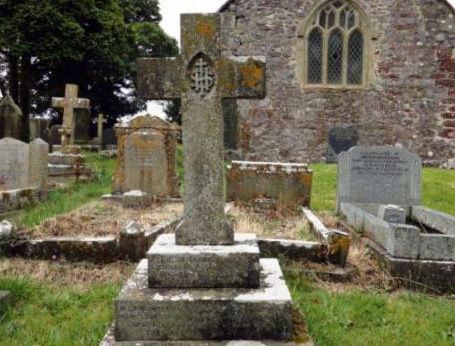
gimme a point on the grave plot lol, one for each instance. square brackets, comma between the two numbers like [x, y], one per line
[101, 232]
[379, 191]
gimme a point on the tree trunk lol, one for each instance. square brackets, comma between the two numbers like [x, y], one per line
[14, 77]
[24, 95]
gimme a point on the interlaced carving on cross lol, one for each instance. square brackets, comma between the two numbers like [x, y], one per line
[202, 77]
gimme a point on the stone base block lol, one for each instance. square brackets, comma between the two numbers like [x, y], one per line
[205, 314]
[417, 273]
[203, 266]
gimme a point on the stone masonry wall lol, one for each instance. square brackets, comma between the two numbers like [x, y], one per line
[409, 99]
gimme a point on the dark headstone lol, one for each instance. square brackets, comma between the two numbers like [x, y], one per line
[341, 139]
[109, 137]
[82, 128]
[55, 138]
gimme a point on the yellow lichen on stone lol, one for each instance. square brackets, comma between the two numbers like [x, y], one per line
[252, 75]
[205, 28]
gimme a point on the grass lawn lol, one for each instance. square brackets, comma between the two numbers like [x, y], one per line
[357, 318]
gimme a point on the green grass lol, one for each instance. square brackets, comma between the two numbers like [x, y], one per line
[48, 315]
[357, 318]
[64, 201]
[438, 190]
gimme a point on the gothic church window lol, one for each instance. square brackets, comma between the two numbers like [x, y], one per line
[335, 46]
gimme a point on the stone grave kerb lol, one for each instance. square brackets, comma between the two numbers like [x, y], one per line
[201, 77]
[69, 103]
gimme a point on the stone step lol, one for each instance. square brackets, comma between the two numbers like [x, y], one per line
[65, 159]
[204, 266]
[149, 314]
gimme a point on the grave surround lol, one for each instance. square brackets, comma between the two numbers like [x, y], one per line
[378, 193]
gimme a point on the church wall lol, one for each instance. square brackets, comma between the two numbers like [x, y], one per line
[409, 99]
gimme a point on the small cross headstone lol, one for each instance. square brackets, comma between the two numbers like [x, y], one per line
[202, 78]
[69, 103]
[101, 122]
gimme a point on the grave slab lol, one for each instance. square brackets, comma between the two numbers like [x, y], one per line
[204, 266]
[202, 314]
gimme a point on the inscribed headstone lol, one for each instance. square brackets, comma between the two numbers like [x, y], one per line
[379, 175]
[146, 162]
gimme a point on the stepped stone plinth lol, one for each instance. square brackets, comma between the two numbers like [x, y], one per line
[263, 313]
[204, 284]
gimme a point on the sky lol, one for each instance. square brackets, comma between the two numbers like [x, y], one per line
[171, 10]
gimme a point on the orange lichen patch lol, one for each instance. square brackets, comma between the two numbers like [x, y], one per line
[252, 74]
[205, 28]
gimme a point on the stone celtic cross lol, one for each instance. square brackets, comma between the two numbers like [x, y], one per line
[69, 103]
[201, 78]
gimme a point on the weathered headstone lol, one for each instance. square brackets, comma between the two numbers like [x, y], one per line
[143, 142]
[38, 166]
[10, 118]
[38, 128]
[221, 290]
[379, 175]
[82, 129]
[146, 163]
[201, 78]
[341, 139]
[109, 138]
[70, 103]
[287, 184]
[14, 158]
[55, 135]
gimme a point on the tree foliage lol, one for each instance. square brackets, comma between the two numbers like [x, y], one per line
[93, 43]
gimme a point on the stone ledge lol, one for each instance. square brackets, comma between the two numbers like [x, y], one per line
[417, 274]
[201, 314]
[202, 266]
[293, 249]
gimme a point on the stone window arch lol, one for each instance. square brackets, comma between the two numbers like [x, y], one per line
[335, 46]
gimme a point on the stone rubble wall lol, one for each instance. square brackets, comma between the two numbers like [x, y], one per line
[409, 100]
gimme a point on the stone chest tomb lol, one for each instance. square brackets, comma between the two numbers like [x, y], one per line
[146, 156]
[287, 184]
[204, 284]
